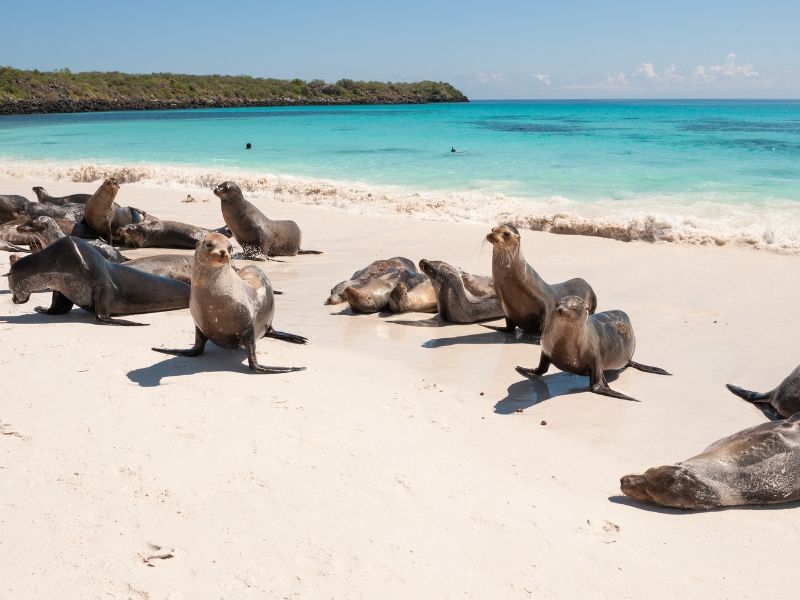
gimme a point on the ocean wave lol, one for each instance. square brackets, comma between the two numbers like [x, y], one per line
[705, 220]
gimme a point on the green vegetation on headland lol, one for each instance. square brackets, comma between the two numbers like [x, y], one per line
[63, 91]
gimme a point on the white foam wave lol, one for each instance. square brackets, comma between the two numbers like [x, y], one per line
[771, 224]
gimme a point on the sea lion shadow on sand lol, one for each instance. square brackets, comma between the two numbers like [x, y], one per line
[214, 359]
[530, 392]
[488, 337]
[665, 510]
[36, 318]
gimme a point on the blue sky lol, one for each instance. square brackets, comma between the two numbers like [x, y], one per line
[498, 49]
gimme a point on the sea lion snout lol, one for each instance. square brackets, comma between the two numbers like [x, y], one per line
[225, 187]
[634, 486]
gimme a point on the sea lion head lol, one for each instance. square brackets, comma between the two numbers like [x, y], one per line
[504, 238]
[675, 486]
[110, 185]
[572, 308]
[227, 191]
[213, 250]
[438, 270]
[20, 292]
[39, 191]
[37, 225]
[132, 235]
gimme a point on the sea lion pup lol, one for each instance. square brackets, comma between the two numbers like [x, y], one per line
[231, 309]
[585, 344]
[374, 296]
[163, 234]
[785, 398]
[758, 465]
[461, 297]
[47, 231]
[78, 274]
[257, 235]
[420, 298]
[367, 274]
[105, 216]
[525, 297]
[45, 198]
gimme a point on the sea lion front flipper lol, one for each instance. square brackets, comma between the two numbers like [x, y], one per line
[199, 345]
[648, 369]
[599, 385]
[59, 305]
[544, 365]
[107, 320]
[509, 327]
[286, 337]
[252, 360]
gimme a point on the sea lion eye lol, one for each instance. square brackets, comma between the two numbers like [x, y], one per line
[506, 235]
[209, 245]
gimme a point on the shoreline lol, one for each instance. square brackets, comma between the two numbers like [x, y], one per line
[409, 459]
[773, 227]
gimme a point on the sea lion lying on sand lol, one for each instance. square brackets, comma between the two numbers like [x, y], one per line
[462, 297]
[45, 198]
[164, 234]
[47, 231]
[367, 274]
[374, 296]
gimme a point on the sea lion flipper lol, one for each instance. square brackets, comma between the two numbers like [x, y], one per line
[544, 365]
[106, 320]
[754, 397]
[252, 360]
[309, 251]
[509, 327]
[599, 385]
[648, 368]
[59, 305]
[286, 337]
[199, 345]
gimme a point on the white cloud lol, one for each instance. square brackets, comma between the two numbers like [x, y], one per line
[490, 78]
[616, 80]
[542, 78]
[728, 69]
[646, 70]
[671, 74]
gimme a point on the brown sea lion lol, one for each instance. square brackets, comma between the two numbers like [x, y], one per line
[257, 235]
[45, 198]
[367, 274]
[462, 297]
[374, 296]
[10, 205]
[162, 234]
[420, 298]
[759, 465]
[174, 266]
[784, 399]
[525, 297]
[78, 274]
[585, 344]
[105, 216]
[231, 309]
[47, 231]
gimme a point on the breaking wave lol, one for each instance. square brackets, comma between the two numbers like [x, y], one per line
[697, 219]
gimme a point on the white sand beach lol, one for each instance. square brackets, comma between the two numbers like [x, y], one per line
[409, 460]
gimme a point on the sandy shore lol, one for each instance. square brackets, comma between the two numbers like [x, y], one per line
[398, 465]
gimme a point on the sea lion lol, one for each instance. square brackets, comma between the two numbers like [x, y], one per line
[367, 274]
[231, 309]
[9, 247]
[258, 235]
[174, 266]
[585, 344]
[45, 198]
[525, 297]
[420, 298]
[759, 465]
[18, 207]
[10, 204]
[47, 231]
[461, 297]
[78, 274]
[374, 296]
[784, 399]
[105, 216]
[163, 234]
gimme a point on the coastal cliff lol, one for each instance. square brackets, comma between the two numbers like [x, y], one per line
[27, 92]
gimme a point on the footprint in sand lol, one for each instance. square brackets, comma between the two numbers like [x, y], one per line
[155, 553]
[607, 531]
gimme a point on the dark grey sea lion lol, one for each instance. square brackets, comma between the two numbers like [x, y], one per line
[10, 205]
[231, 309]
[79, 275]
[258, 235]
[525, 297]
[368, 273]
[462, 297]
[784, 399]
[47, 232]
[162, 234]
[174, 266]
[44, 197]
[759, 465]
[585, 344]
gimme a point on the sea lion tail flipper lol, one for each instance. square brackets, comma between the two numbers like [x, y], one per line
[309, 251]
[648, 368]
[285, 337]
[747, 394]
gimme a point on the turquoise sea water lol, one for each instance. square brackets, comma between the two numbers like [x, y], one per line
[674, 158]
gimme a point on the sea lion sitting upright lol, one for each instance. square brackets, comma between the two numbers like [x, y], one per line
[585, 344]
[231, 309]
[525, 297]
[456, 302]
[45, 198]
[78, 274]
[367, 274]
[105, 216]
[258, 235]
[784, 399]
[759, 465]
